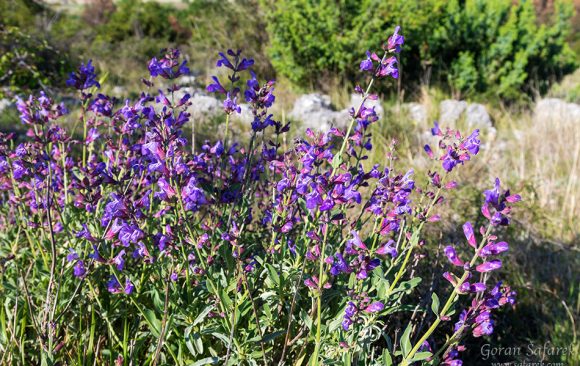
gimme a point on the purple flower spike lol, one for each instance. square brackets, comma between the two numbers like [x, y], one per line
[375, 307]
[489, 266]
[84, 78]
[168, 67]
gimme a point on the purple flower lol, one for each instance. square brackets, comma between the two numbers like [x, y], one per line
[436, 131]
[497, 200]
[113, 285]
[428, 150]
[494, 249]
[468, 231]
[119, 260]
[339, 266]
[230, 105]
[311, 282]
[259, 125]
[388, 68]
[216, 86]
[349, 313]
[129, 287]
[313, 199]
[19, 169]
[472, 143]
[85, 78]
[477, 287]
[367, 65]
[224, 61]
[395, 41]
[356, 241]
[452, 256]
[492, 195]
[72, 255]
[193, 196]
[485, 328]
[102, 105]
[168, 67]
[92, 135]
[237, 65]
[388, 248]
[375, 307]
[79, 269]
[166, 187]
[489, 266]
[130, 234]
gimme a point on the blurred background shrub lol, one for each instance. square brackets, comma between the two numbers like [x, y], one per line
[508, 50]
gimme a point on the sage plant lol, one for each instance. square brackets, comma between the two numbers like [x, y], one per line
[124, 246]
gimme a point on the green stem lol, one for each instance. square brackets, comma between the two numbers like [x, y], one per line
[319, 300]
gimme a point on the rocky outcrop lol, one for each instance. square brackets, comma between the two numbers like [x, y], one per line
[315, 112]
[4, 104]
[204, 107]
[417, 112]
[450, 111]
[557, 109]
[476, 115]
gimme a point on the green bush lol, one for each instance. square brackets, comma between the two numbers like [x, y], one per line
[496, 47]
[28, 63]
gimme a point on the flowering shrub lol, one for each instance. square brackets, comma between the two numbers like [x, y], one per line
[127, 247]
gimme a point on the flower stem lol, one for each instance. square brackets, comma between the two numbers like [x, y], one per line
[319, 300]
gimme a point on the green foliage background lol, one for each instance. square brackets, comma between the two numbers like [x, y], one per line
[492, 48]
[485, 46]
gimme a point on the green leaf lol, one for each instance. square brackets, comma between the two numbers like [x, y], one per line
[202, 315]
[269, 337]
[205, 361]
[336, 161]
[387, 360]
[273, 274]
[307, 320]
[435, 304]
[420, 356]
[408, 285]
[154, 323]
[222, 337]
[188, 342]
[406, 340]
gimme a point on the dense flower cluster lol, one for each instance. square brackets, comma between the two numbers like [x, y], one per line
[239, 225]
